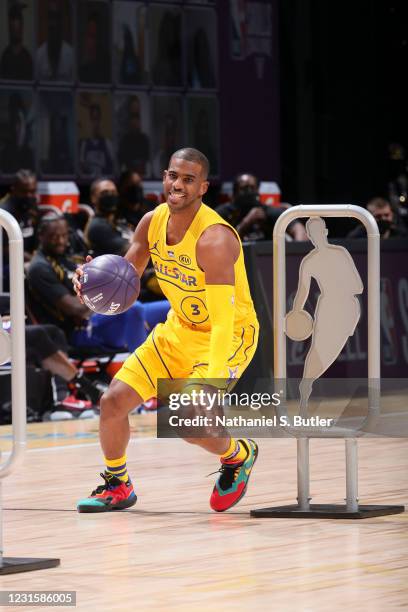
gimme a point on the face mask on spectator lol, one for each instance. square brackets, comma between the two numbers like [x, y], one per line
[383, 225]
[247, 200]
[108, 202]
[24, 203]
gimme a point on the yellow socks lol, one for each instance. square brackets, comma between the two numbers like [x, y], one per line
[235, 453]
[117, 467]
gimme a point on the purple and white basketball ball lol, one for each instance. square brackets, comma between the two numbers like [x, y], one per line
[109, 284]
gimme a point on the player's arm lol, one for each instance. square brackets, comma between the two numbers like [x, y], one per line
[217, 251]
[303, 286]
[138, 253]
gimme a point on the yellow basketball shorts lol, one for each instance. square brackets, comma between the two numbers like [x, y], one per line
[173, 350]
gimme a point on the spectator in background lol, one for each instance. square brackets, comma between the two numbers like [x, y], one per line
[47, 348]
[134, 146]
[132, 203]
[111, 229]
[200, 68]
[103, 233]
[167, 67]
[168, 143]
[204, 135]
[132, 206]
[95, 152]
[55, 58]
[16, 151]
[388, 220]
[131, 69]
[52, 298]
[16, 62]
[252, 219]
[22, 203]
[398, 185]
[94, 51]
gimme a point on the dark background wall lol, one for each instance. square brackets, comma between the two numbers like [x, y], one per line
[249, 102]
[343, 97]
[319, 119]
[206, 74]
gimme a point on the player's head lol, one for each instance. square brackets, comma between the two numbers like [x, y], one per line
[185, 180]
[53, 234]
[317, 231]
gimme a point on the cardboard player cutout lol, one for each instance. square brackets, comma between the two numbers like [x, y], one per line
[337, 310]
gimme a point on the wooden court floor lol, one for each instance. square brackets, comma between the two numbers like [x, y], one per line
[172, 553]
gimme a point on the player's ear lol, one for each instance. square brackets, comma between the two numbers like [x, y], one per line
[164, 175]
[204, 187]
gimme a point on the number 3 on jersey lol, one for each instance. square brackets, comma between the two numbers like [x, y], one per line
[194, 309]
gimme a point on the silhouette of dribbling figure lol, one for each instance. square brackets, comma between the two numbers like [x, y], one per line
[337, 310]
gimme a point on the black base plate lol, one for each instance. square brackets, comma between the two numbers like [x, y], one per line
[15, 565]
[326, 511]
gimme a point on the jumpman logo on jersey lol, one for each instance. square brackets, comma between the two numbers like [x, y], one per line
[154, 247]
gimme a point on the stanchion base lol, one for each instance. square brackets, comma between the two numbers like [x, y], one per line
[15, 565]
[326, 511]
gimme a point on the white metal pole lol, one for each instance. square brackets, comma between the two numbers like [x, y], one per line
[18, 373]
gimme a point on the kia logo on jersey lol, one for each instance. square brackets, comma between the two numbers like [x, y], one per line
[185, 259]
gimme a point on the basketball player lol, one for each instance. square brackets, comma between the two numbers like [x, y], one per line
[211, 330]
[338, 309]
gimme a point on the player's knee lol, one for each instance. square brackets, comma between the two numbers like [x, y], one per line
[111, 406]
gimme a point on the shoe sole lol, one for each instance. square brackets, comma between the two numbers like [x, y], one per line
[96, 509]
[244, 490]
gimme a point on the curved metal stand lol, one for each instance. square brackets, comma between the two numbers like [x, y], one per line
[352, 509]
[10, 565]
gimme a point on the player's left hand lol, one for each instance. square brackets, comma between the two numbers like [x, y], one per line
[76, 279]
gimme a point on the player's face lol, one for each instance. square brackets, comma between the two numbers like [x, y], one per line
[184, 184]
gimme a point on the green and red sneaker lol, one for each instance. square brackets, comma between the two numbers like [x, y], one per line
[114, 494]
[231, 486]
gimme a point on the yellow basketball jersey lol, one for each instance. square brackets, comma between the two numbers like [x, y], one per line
[181, 279]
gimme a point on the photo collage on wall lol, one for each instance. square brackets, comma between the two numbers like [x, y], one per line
[96, 87]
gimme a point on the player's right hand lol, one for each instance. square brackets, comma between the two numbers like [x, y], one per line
[76, 279]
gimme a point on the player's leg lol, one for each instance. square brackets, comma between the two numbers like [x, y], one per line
[114, 429]
[114, 432]
[237, 457]
[133, 384]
